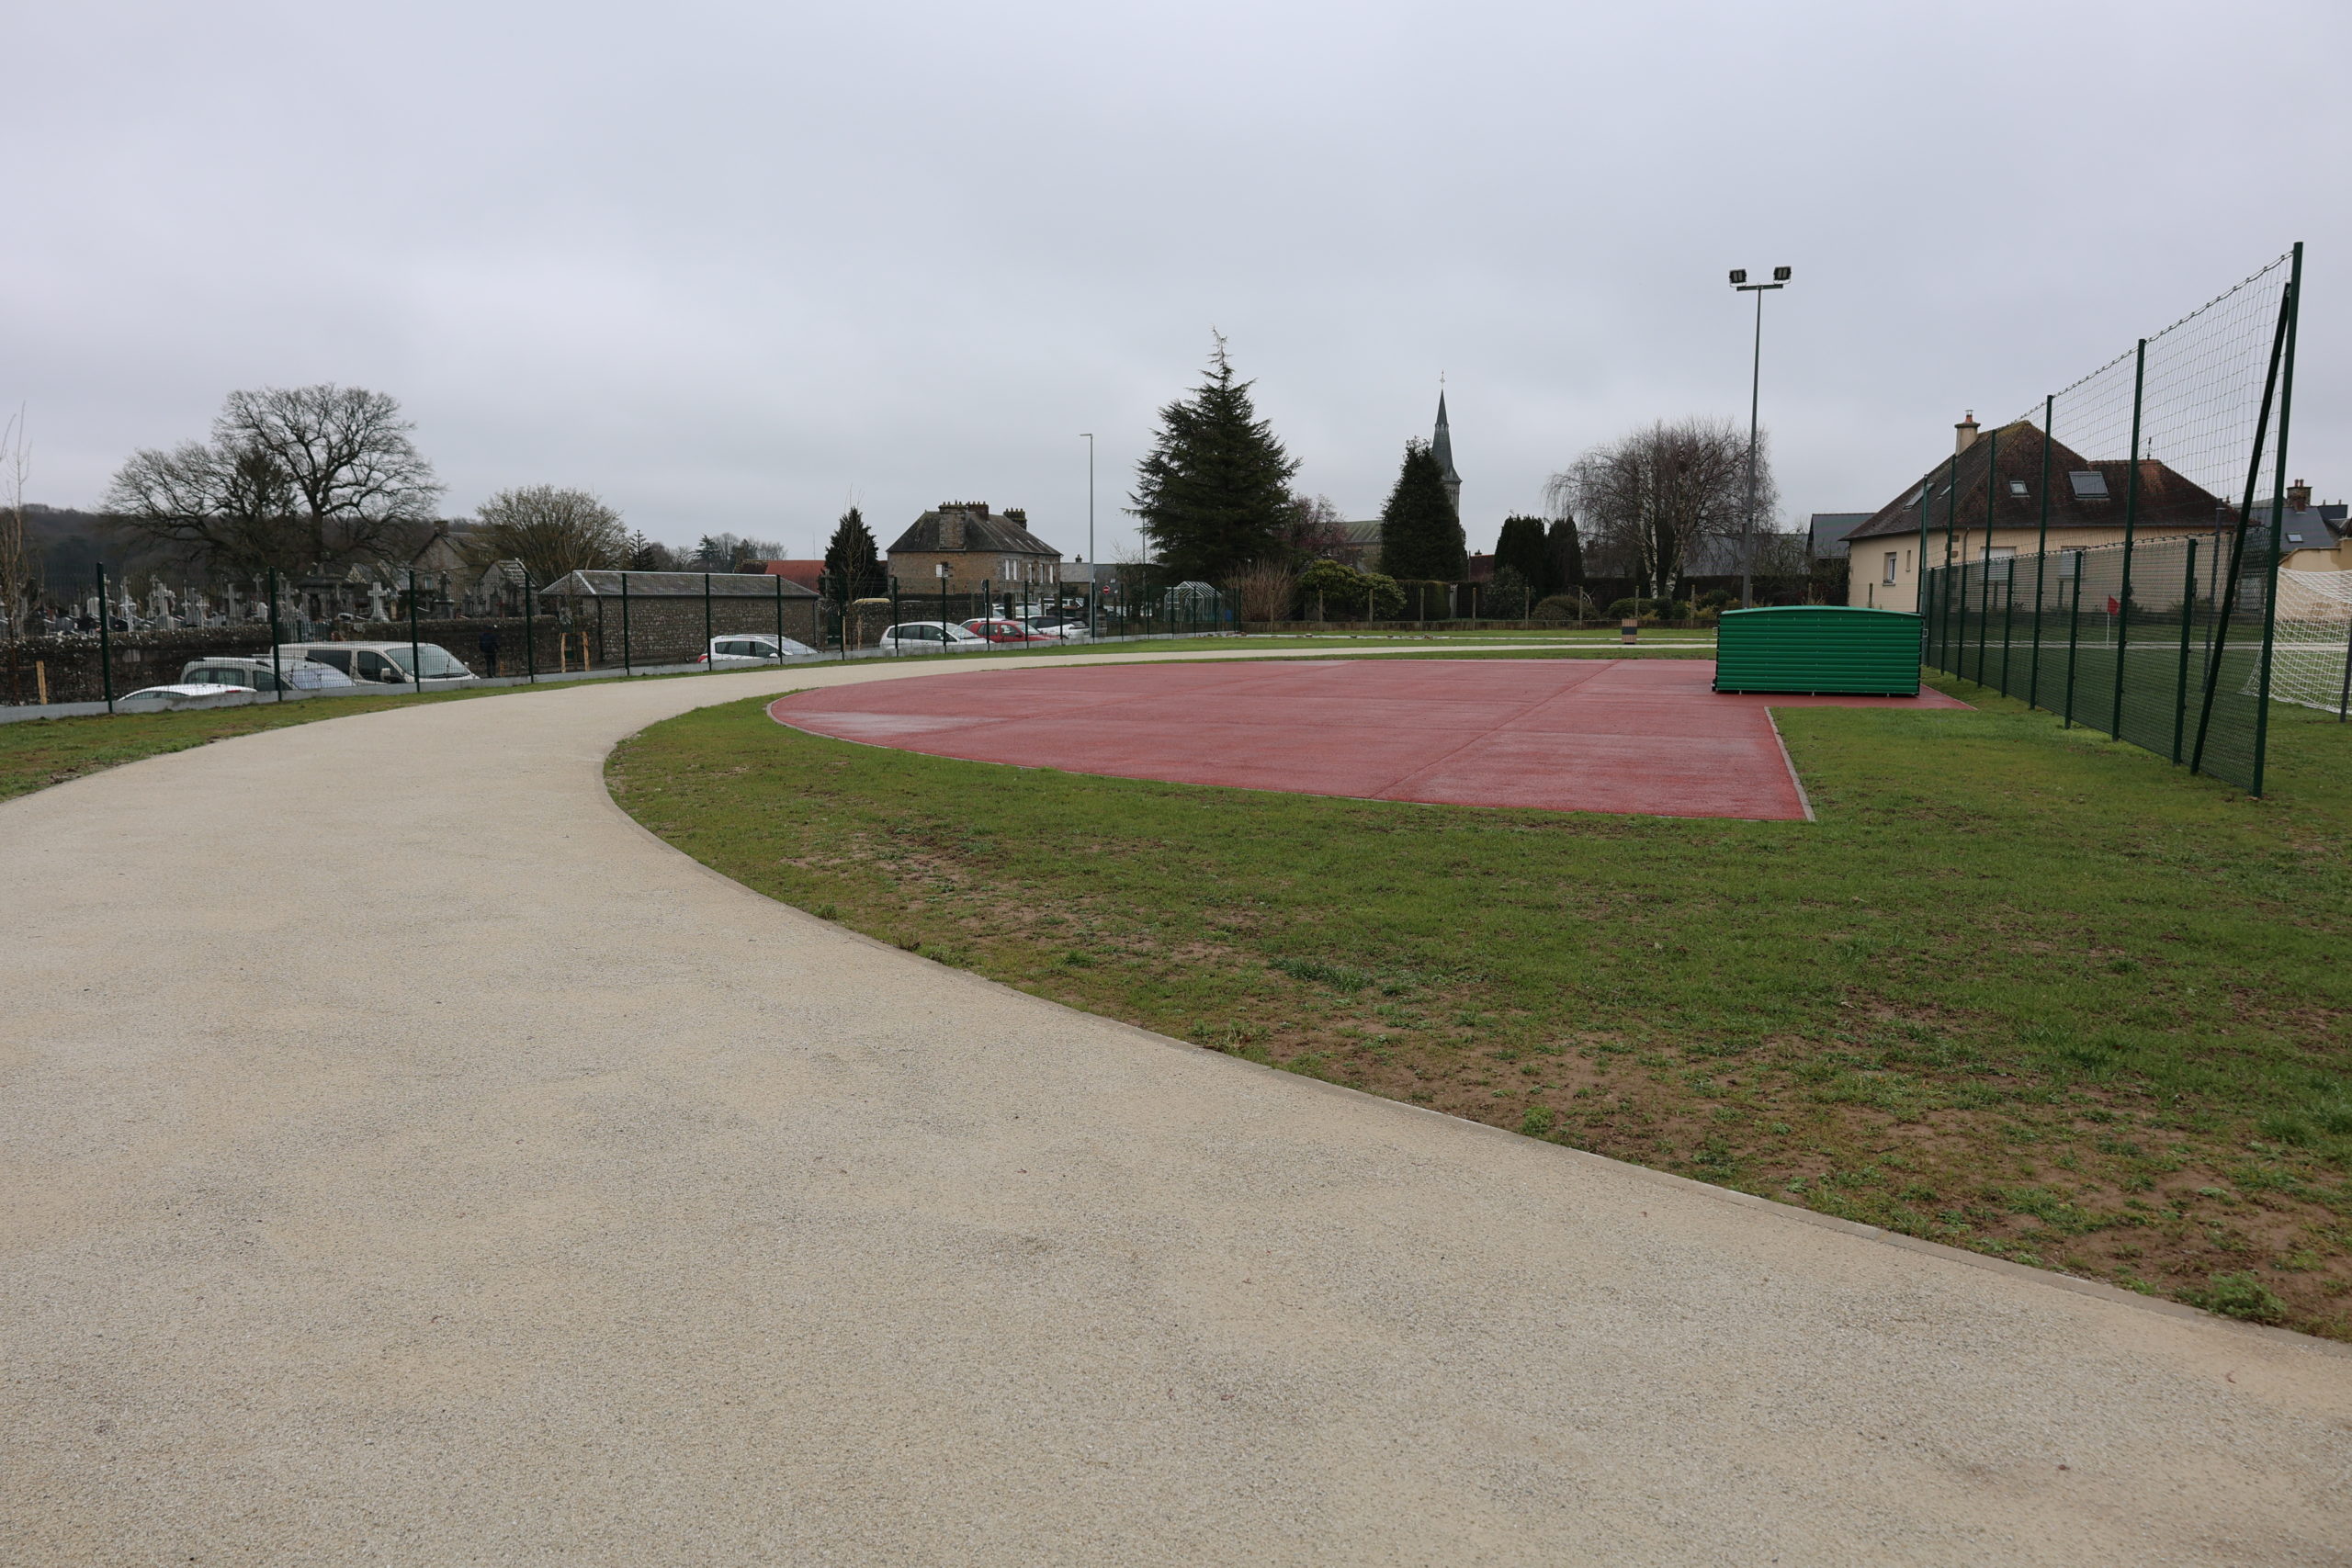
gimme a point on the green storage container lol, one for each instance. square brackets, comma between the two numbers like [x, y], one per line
[1820, 648]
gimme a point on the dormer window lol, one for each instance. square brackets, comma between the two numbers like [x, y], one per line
[2017, 487]
[2088, 486]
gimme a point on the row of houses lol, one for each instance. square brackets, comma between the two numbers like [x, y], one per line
[1988, 501]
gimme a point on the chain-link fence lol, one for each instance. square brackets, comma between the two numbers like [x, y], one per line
[101, 650]
[2148, 604]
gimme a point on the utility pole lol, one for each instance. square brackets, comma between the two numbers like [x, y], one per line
[1755, 387]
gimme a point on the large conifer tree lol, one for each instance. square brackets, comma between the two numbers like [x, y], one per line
[1568, 556]
[1419, 535]
[1215, 492]
[853, 564]
[1523, 548]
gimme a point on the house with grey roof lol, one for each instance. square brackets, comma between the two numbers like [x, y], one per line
[977, 546]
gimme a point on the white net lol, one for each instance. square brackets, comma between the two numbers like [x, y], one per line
[2315, 632]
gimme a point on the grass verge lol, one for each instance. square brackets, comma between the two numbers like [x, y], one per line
[2021, 989]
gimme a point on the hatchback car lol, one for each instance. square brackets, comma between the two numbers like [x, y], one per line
[929, 637]
[748, 648]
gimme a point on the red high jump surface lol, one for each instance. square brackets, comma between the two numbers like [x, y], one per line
[1615, 734]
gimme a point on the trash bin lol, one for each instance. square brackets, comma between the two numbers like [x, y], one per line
[1819, 648]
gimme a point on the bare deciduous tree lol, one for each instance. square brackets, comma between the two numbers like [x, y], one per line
[292, 478]
[552, 532]
[1645, 501]
[1312, 529]
[1265, 589]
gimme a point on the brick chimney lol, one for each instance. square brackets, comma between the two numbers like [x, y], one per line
[1965, 433]
[2298, 497]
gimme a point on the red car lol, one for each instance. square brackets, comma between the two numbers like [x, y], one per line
[1005, 631]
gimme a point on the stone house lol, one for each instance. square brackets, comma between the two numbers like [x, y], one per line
[977, 546]
[666, 613]
[2086, 509]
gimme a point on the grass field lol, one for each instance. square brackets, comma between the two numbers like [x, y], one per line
[2019, 989]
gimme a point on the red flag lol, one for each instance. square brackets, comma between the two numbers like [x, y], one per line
[2112, 607]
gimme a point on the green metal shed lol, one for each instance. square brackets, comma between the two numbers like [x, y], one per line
[1820, 648]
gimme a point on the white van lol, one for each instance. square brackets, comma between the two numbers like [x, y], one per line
[385, 663]
[300, 675]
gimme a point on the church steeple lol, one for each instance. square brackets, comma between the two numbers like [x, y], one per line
[1441, 448]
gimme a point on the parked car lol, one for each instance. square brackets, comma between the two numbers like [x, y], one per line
[929, 637]
[301, 674]
[385, 663]
[1004, 631]
[746, 649]
[184, 694]
[1061, 629]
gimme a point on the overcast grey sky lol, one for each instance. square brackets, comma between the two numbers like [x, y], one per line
[733, 266]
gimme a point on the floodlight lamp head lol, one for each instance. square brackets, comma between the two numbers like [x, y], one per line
[1779, 275]
[1738, 276]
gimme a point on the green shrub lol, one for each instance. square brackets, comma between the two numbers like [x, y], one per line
[1537, 1123]
[1650, 609]
[1341, 592]
[1424, 599]
[1575, 606]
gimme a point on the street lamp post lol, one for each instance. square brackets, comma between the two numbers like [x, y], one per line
[1093, 581]
[1754, 386]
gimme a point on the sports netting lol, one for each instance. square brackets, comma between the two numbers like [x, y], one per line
[2150, 602]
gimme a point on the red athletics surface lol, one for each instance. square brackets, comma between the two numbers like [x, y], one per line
[1616, 735]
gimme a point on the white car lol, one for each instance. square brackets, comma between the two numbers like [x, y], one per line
[1055, 626]
[184, 695]
[746, 649]
[930, 637]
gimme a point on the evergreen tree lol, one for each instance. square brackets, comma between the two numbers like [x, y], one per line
[1419, 535]
[1523, 548]
[1568, 556]
[1215, 493]
[852, 563]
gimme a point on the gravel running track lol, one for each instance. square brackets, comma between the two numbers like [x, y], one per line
[410, 1161]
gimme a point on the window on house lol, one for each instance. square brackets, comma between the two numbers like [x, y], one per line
[1996, 562]
[2017, 487]
[2070, 562]
[2088, 486]
[1889, 579]
[1906, 560]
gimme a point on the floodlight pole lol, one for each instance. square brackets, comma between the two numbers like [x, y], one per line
[1755, 390]
[1093, 625]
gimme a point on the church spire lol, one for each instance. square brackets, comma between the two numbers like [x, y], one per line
[1441, 448]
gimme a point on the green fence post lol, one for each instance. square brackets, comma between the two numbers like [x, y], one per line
[2074, 638]
[1944, 583]
[106, 641]
[629, 659]
[1992, 484]
[415, 658]
[531, 632]
[712, 664]
[2343, 697]
[2277, 520]
[2009, 620]
[2041, 550]
[2226, 599]
[2188, 614]
[2131, 525]
[779, 622]
[276, 674]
